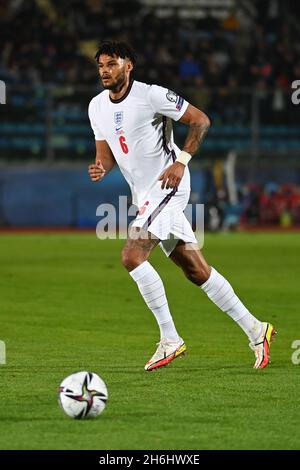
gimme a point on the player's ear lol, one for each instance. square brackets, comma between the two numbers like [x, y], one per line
[129, 65]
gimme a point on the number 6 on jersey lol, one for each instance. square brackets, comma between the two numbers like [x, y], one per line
[123, 144]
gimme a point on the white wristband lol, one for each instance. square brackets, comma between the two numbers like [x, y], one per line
[183, 157]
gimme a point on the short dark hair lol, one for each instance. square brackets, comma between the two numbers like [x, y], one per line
[120, 49]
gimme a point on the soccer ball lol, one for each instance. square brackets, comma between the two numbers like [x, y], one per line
[83, 395]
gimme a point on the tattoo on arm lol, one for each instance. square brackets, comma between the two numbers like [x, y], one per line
[195, 137]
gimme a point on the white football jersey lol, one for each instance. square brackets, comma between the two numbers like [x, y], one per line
[138, 129]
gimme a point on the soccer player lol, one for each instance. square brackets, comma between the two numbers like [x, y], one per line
[132, 126]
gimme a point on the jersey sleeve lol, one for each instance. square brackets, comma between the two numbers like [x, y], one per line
[167, 102]
[95, 127]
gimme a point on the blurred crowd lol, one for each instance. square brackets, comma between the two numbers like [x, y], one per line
[268, 205]
[272, 204]
[52, 42]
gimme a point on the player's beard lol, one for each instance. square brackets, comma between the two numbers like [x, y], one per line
[117, 84]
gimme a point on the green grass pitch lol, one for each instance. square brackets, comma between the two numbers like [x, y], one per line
[67, 304]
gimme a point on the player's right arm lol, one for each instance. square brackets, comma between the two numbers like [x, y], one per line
[104, 161]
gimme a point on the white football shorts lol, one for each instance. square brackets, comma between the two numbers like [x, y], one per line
[162, 215]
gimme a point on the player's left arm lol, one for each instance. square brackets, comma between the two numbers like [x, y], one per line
[199, 124]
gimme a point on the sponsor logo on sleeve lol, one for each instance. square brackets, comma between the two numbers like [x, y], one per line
[174, 98]
[179, 102]
[171, 96]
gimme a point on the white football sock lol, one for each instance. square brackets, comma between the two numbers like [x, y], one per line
[153, 292]
[222, 294]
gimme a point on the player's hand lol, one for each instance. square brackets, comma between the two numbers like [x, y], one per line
[96, 171]
[172, 176]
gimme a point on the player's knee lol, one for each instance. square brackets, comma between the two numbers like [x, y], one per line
[131, 259]
[198, 275]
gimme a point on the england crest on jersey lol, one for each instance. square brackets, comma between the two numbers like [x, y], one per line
[118, 117]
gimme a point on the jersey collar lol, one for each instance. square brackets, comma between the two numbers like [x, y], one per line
[125, 94]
